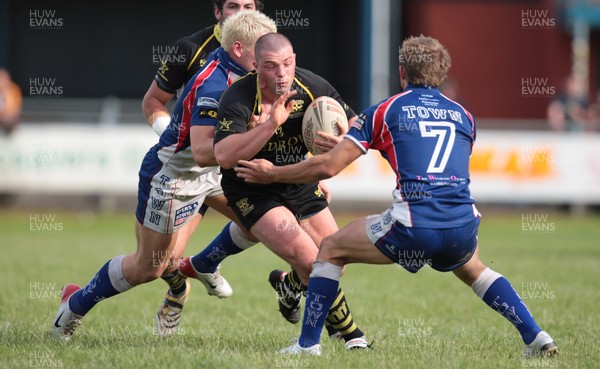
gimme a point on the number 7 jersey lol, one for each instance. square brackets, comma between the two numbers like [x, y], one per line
[427, 140]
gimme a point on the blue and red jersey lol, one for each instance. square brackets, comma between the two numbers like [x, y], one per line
[198, 104]
[427, 140]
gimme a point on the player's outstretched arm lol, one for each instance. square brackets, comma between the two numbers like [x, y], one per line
[154, 108]
[243, 146]
[312, 170]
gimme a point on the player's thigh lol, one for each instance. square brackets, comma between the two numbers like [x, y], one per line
[155, 244]
[183, 236]
[319, 226]
[219, 203]
[279, 230]
[351, 245]
[152, 256]
[187, 205]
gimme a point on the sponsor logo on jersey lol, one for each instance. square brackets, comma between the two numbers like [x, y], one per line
[360, 121]
[210, 113]
[183, 213]
[207, 102]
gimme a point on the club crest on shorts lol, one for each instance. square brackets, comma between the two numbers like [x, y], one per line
[244, 207]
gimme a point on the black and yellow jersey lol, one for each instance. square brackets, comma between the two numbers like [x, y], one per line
[186, 57]
[242, 100]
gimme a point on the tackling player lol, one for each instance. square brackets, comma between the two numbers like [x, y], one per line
[427, 139]
[290, 219]
[172, 187]
[194, 50]
[170, 78]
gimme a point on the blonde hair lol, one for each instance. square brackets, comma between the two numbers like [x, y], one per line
[425, 60]
[246, 27]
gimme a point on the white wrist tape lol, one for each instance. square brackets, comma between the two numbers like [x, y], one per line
[160, 124]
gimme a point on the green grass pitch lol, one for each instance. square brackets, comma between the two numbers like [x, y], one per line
[427, 320]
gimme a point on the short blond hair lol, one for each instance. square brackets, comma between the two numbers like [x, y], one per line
[246, 27]
[425, 60]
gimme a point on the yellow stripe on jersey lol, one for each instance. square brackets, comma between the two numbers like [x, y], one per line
[258, 101]
[312, 98]
[218, 32]
[205, 43]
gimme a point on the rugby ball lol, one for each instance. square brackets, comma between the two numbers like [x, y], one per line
[323, 114]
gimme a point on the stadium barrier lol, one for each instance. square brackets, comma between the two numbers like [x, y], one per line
[506, 166]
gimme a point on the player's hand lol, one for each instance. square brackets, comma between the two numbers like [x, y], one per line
[280, 111]
[327, 142]
[325, 190]
[257, 120]
[256, 171]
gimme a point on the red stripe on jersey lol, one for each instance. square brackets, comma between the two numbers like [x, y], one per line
[471, 120]
[188, 103]
[385, 141]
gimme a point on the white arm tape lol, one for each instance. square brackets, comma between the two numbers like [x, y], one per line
[160, 124]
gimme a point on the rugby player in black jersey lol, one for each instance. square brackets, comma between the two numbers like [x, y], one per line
[191, 52]
[290, 219]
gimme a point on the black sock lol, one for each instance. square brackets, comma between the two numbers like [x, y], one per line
[293, 282]
[176, 281]
[341, 319]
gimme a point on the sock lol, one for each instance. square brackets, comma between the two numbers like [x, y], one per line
[292, 281]
[230, 241]
[330, 330]
[341, 319]
[497, 292]
[109, 281]
[177, 282]
[322, 291]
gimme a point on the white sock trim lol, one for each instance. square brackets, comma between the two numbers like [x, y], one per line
[238, 237]
[484, 281]
[115, 273]
[326, 270]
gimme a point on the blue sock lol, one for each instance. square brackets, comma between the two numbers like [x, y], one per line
[102, 286]
[322, 291]
[220, 248]
[497, 292]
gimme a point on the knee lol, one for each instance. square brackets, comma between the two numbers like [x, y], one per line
[303, 265]
[149, 275]
[469, 272]
[330, 249]
[146, 272]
